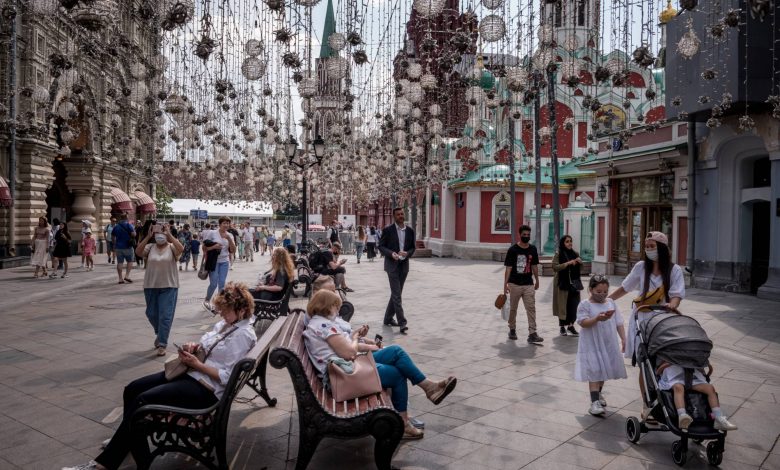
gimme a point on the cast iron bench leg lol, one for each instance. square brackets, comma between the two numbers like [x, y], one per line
[258, 379]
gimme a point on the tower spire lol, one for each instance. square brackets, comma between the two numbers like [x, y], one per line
[327, 30]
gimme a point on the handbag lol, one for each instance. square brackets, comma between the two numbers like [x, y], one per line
[175, 368]
[500, 301]
[364, 379]
[202, 273]
[575, 284]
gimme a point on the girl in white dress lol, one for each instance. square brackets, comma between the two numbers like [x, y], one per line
[657, 280]
[598, 353]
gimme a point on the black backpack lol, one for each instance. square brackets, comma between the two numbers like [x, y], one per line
[334, 235]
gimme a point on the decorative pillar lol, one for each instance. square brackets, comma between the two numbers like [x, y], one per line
[35, 175]
[83, 181]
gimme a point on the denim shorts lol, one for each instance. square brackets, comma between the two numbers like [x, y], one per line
[124, 254]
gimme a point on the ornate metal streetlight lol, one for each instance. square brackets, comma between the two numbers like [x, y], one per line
[304, 163]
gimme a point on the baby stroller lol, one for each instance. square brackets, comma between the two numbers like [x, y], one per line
[679, 340]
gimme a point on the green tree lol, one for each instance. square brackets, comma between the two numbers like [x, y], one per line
[163, 201]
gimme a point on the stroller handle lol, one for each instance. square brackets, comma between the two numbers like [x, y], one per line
[655, 308]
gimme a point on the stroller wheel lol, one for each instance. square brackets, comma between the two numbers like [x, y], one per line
[633, 429]
[714, 453]
[679, 456]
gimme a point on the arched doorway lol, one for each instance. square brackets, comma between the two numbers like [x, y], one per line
[760, 176]
[58, 198]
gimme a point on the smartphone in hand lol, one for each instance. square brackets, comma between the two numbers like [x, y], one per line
[178, 348]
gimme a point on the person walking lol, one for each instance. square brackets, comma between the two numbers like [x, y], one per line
[333, 233]
[360, 242]
[286, 236]
[256, 239]
[185, 239]
[237, 241]
[108, 234]
[88, 245]
[55, 228]
[62, 250]
[124, 236]
[85, 225]
[161, 280]
[599, 355]
[263, 239]
[371, 239]
[270, 241]
[521, 281]
[224, 242]
[246, 239]
[566, 285]
[40, 247]
[195, 250]
[397, 244]
[298, 237]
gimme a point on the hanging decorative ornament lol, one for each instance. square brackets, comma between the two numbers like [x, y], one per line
[570, 72]
[688, 46]
[434, 110]
[177, 13]
[360, 57]
[403, 107]
[643, 57]
[416, 113]
[307, 3]
[337, 41]
[571, 43]
[492, 4]
[428, 8]
[414, 71]
[428, 81]
[253, 48]
[336, 68]
[354, 38]
[40, 95]
[546, 34]
[204, 47]
[95, 15]
[516, 79]
[252, 68]
[474, 95]
[415, 93]
[543, 58]
[492, 28]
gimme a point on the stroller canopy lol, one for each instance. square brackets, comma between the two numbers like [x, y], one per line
[677, 339]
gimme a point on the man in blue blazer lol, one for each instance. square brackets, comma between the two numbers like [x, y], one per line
[397, 244]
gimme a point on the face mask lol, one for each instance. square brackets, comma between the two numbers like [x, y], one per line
[160, 239]
[525, 239]
[652, 255]
[599, 298]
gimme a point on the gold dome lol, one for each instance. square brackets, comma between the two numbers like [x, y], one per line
[667, 14]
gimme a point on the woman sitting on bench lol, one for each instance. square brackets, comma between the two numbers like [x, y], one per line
[229, 341]
[273, 283]
[327, 338]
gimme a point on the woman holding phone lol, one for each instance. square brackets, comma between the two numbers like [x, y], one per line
[229, 341]
[161, 281]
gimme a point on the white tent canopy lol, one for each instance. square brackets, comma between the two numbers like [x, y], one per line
[251, 209]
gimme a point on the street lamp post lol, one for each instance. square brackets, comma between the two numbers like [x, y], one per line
[291, 148]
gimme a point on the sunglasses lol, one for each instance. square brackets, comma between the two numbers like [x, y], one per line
[599, 277]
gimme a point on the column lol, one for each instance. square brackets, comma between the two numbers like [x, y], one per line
[771, 288]
[35, 175]
[83, 181]
[473, 210]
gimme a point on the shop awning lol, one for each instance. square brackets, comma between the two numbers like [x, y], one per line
[120, 201]
[5, 194]
[145, 204]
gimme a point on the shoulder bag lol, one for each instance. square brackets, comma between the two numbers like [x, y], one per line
[364, 379]
[202, 273]
[175, 368]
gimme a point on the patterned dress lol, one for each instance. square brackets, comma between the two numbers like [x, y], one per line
[185, 238]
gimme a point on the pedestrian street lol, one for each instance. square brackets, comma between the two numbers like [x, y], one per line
[68, 348]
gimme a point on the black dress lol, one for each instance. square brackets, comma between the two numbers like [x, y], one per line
[61, 246]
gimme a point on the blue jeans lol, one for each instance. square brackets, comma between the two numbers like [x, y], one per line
[217, 279]
[160, 307]
[359, 250]
[395, 367]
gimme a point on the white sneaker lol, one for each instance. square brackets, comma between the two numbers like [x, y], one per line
[91, 465]
[602, 400]
[683, 421]
[723, 424]
[596, 409]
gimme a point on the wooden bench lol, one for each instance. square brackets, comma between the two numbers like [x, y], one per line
[201, 433]
[320, 415]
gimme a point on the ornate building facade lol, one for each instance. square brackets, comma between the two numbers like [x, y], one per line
[84, 99]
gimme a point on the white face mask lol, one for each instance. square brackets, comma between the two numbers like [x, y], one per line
[160, 239]
[652, 255]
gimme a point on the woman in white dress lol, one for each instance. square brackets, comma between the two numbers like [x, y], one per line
[40, 246]
[599, 355]
[657, 280]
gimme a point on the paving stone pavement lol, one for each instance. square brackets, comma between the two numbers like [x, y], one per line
[69, 346]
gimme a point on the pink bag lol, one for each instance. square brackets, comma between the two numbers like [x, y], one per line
[364, 380]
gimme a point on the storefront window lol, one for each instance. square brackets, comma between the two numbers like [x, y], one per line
[636, 231]
[623, 191]
[644, 189]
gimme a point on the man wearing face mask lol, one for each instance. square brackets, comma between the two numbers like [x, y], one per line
[521, 280]
[161, 281]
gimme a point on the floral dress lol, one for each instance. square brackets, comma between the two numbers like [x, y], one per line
[185, 238]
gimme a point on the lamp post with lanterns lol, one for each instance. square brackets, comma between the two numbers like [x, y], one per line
[304, 162]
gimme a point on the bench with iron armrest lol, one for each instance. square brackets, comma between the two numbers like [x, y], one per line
[267, 311]
[202, 433]
[320, 415]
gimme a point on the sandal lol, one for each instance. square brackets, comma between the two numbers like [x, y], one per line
[411, 433]
[127, 279]
[444, 389]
